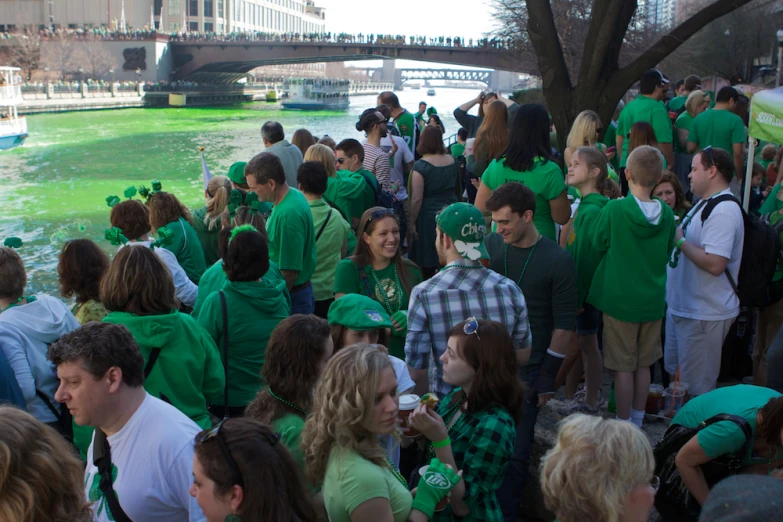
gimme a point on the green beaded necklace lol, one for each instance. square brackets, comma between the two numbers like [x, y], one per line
[16, 303]
[289, 404]
[396, 473]
[505, 260]
[382, 291]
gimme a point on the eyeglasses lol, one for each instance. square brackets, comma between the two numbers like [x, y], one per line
[655, 483]
[381, 213]
[708, 152]
[214, 433]
[471, 327]
[340, 161]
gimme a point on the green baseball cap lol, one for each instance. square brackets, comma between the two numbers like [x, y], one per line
[465, 225]
[358, 312]
[236, 173]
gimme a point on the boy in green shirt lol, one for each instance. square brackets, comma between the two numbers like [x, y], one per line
[634, 236]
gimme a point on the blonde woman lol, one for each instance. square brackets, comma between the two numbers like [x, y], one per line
[323, 155]
[585, 133]
[356, 402]
[41, 477]
[599, 470]
[206, 220]
[697, 102]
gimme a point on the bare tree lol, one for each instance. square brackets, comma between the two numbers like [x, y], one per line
[25, 53]
[605, 63]
[59, 54]
[95, 58]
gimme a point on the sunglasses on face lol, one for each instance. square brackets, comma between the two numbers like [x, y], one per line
[471, 327]
[340, 161]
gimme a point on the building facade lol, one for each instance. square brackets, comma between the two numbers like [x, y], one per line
[222, 16]
[660, 15]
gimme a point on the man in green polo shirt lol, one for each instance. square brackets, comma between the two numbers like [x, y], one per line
[721, 129]
[289, 227]
[646, 107]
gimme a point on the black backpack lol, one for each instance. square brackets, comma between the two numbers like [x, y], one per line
[761, 257]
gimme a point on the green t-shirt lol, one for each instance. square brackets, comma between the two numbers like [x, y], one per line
[677, 103]
[684, 121]
[348, 281]
[406, 124]
[548, 284]
[255, 308]
[545, 180]
[214, 278]
[643, 108]
[292, 237]
[725, 437]
[458, 149]
[718, 128]
[328, 246]
[351, 480]
[290, 427]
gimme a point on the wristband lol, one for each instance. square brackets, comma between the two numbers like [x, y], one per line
[545, 384]
[442, 444]
[679, 243]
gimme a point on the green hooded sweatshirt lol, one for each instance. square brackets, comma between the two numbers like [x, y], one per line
[254, 309]
[578, 245]
[208, 238]
[188, 373]
[215, 278]
[345, 191]
[630, 282]
[187, 248]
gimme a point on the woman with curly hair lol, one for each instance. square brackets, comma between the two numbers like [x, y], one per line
[167, 212]
[355, 402]
[206, 220]
[79, 272]
[243, 313]
[296, 355]
[41, 478]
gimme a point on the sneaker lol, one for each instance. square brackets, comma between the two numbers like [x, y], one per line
[582, 392]
[578, 407]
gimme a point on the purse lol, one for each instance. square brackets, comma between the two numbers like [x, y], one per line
[673, 500]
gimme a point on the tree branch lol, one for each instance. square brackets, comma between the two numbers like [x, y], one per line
[604, 13]
[668, 43]
[543, 35]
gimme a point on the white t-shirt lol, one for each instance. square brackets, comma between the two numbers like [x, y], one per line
[401, 157]
[694, 293]
[652, 210]
[153, 457]
[404, 383]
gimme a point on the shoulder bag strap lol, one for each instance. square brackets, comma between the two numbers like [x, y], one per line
[101, 458]
[365, 281]
[154, 354]
[739, 421]
[706, 214]
[41, 395]
[225, 351]
[323, 227]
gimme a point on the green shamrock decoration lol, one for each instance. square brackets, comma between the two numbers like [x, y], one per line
[130, 192]
[156, 186]
[12, 242]
[96, 495]
[112, 200]
[234, 202]
[115, 236]
[165, 237]
[144, 192]
[251, 200]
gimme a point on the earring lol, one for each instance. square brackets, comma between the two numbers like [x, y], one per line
[233, 518]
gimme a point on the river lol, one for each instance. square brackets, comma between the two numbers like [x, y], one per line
[54, 187]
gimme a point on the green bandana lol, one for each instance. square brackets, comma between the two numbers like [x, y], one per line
[358, 312]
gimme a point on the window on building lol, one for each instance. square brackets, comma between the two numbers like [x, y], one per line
[208, 27]
[156, 7]
[220, 8]
[193, 26]
[193, 7]
[209, 8]
[220, 28]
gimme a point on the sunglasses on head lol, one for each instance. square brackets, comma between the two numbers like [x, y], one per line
[380, 213]
[471, 327]
[707, 152]
[214, 434]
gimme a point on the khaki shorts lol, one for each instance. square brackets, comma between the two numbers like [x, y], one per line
[630, 346]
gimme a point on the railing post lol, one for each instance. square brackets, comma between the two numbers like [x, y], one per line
[49, 90]
[113, 90]
[140, 88]
[83, 89]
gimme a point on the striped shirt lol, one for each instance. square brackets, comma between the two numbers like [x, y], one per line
[377, 162]
[450, 297]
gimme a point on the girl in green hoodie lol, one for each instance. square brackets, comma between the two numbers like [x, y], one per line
[166, 211]
[588, 173]
[254, 305]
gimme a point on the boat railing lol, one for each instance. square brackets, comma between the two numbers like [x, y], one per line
[10, 92]
[15, 126]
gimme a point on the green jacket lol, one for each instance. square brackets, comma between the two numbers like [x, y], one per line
[579, 246]
[346, 191]
[254, 309]
[215, 278]
[630, 282]
[188, 373]
[208, 238]
[187, 248]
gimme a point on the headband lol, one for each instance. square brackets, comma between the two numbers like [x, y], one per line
[242, 228]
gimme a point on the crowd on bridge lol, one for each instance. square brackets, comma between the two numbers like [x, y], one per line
[367, 329]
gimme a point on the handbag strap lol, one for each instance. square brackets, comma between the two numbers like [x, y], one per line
[101, 458]
[225, 351]
[365, 281]
[323, 227]
[739, 421]
[154, 354]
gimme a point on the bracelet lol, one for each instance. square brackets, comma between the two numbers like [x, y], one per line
[679, 243]
[442, 444]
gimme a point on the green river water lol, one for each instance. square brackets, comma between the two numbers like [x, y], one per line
[53, 188]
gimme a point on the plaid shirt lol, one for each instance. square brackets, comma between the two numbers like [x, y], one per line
[450, 297]
[482, 443]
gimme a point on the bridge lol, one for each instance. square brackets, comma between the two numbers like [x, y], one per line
[404, 75]
[228, 61]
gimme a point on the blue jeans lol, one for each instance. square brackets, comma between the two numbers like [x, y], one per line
[510, 492]
[775, 363]
[303, 301]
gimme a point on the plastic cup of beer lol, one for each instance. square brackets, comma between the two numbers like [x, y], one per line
[408, 403]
